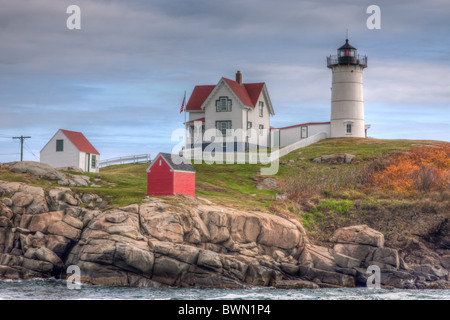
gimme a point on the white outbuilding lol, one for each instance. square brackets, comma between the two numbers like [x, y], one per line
[70, 149]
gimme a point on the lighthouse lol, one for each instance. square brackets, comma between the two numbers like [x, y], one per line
[347, 103]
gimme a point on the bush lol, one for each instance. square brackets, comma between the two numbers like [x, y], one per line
[426, 178]
[422, 169]
[326, 181]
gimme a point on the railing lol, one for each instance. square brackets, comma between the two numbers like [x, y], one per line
[359, 60]
[140, 158]
[299, 144]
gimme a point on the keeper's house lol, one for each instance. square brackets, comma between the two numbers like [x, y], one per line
[166, 178]
[230, 107]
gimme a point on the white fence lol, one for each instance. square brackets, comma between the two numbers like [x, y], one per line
[299, 144]
[140, 158]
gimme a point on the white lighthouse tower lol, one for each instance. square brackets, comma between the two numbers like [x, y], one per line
[347, 104]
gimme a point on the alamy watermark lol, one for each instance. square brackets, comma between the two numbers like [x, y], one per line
[74, 20]
[374, 280]
[74, 280]
[374, 21]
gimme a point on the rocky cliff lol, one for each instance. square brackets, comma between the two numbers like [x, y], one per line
[184, 242]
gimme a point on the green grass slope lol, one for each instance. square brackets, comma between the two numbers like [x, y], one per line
[231, 184]
[234, 184]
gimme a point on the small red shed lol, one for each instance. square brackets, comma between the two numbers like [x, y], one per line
[166, 178]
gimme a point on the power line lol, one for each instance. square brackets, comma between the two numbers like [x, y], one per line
[22, 138]
[29, 149]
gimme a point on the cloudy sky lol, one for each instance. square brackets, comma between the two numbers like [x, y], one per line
[121, 78]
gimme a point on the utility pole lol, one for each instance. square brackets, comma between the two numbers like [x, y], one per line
[22, 138]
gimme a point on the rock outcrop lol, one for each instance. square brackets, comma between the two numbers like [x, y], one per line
[184, 242]
[47, 172]
[335, 158]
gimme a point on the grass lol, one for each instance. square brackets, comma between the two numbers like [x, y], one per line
[335, 206]
[7, 175]
[234, 185]
[363, 148]
[120, 185]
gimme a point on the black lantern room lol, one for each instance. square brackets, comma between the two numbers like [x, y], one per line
[347, 54]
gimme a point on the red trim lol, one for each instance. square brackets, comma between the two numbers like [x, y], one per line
[80, 141]
[301, 125]
[192, 121]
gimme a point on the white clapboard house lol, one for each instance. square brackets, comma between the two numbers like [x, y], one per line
[70, 149]
[228, 106]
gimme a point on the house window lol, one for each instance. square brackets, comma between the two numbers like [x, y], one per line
[160, 162]
[261, 129]
[348, 128]
[249, 129]
[94, 161]
[261, 108]
[59, 145]
[224, 127]
[223, 104]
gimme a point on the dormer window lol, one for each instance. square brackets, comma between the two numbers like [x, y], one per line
[223, 104]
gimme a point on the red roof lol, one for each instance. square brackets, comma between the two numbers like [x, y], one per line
[199, 96]
[80, 141]
[254, 91]
[302, 124]
[192, 121]
[248, 93]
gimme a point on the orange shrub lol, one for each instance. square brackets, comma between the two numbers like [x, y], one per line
[424, 168]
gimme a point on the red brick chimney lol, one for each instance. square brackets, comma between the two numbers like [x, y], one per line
[239, 77]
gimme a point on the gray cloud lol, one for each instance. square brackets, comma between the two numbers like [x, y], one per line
[122, 76]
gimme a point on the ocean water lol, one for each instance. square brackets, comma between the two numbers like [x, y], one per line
[51, 289]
